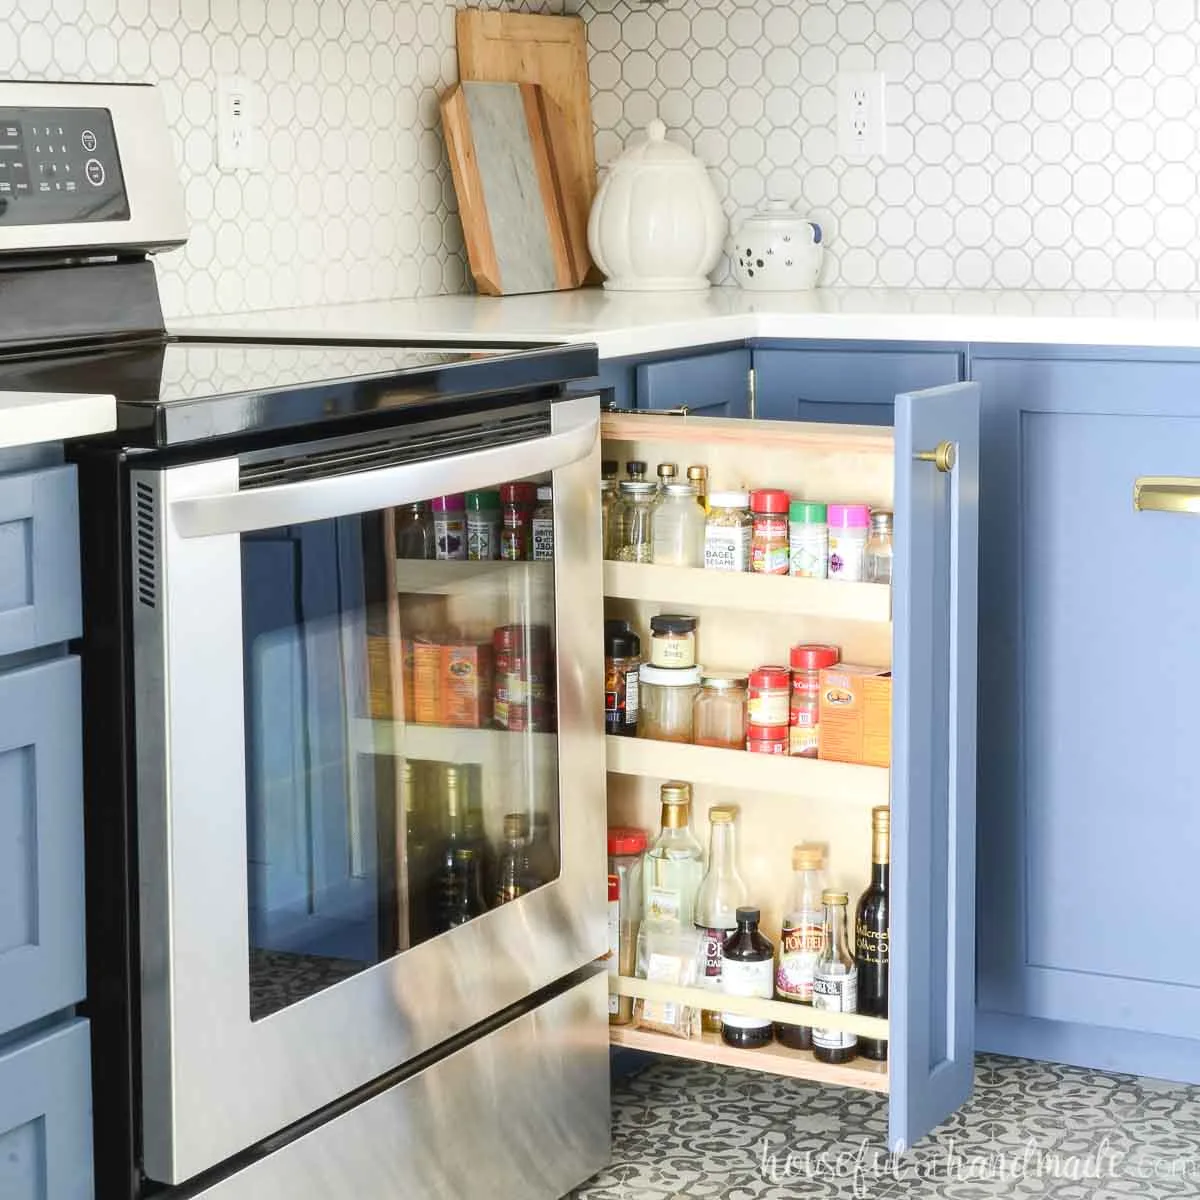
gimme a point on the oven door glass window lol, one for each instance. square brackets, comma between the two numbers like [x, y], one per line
[401, 749]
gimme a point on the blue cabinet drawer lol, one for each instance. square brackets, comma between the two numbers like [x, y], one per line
[39, 559]
[709, 385]
[46, 1117]
[41, 843]
[853, 386]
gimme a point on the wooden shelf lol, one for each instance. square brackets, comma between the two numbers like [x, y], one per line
[772, 1060]
[779, 1011]
[689, 587]
[443, 743]
[780, 774]
[443, 577]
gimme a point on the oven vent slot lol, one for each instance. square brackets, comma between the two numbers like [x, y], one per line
[417, 446]
[145, 558]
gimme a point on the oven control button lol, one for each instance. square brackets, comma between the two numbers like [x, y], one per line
[88, 138]
[94, 171]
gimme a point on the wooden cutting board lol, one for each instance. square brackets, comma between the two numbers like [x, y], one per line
[506, 177]
[552, 52]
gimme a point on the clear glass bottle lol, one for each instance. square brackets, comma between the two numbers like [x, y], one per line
[835, 983]
[450, 526]
[543, 525]
[626, 853]
[879, 547]
[414, 531]
[457, 892]
[697, 475]
[632, 537]
[678, 528]
[667, 473]
[514, 875]
[608, 504]
[722, 892]
[675, 863]
[801, 941]
[719, 713]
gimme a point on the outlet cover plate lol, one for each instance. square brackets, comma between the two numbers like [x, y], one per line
[861, 114]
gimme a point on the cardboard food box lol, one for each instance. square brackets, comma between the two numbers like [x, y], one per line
[379, 673]
[427, 683]
[467, 680]
[856, 715]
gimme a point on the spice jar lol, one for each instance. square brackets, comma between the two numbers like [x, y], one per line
[719, 717]
[698, 478]
[848, 525]
[667, 473]
[450, 526]
[808, 540]
[503, 642]
[769, 538]
[767, 739]
[807, 663]
[531, 680]
[727, 532]
[516, 530]
[678, 527]
[665, 700]
[770, 692]
[878, 554]
[622, 658]
[625, 850]
[608, 504]
[632, 535]
[542, 525]
[673, 640]
[483, 526]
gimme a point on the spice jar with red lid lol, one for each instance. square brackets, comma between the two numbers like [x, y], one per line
[807, 663]
[769, 552]
[770, 689]
[516, 533]
[767, 739]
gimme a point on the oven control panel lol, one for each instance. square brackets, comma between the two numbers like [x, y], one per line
[59, 166]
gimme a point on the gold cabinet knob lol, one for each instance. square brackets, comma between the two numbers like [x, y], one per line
[944, 456]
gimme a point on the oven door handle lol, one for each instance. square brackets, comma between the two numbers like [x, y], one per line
[387, 487]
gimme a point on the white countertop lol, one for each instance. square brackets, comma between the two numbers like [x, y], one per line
[30, 417]
[623, 323]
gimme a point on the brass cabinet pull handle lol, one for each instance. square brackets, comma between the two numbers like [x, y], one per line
[1167, 493]
[943, 456]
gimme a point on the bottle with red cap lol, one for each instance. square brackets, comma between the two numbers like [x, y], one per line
[807, 662]
[769, 553]
[517, 501]
[626, 846]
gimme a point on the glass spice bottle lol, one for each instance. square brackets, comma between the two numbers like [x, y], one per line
[677, 527]
[632, 536]
[622, 659]
[542, 525]
[414, 531]
[835, 983]
[807, 662]
[727, 532]
[666, 702]
[879, 547]
[483, 526]
[516, 533]
[450, 526]
[719, 714]
[626, 849]
[608, 504]
[747, 969]
[808, 540]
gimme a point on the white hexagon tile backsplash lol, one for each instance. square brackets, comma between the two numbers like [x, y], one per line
[1031, 143]
[354, 199]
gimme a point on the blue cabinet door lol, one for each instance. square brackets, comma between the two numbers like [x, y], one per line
[855, 386]
[1088, 711]
[933, 768]
[46, 1117]
[41, 843]
[707, 385]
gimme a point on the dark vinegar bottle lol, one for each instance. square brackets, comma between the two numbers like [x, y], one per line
[871, 935]
[747, 969]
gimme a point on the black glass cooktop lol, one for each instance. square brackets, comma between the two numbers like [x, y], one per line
[178, 391]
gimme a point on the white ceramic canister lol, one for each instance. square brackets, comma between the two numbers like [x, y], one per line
[656, 223]
[778, 250]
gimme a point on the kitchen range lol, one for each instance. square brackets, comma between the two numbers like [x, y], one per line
[309, 972]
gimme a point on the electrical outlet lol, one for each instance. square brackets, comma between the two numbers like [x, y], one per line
[861, 117]
[237, 134]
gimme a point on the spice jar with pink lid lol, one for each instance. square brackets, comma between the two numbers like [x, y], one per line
[848, 528]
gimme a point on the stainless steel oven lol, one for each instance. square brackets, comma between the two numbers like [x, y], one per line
[300, 732]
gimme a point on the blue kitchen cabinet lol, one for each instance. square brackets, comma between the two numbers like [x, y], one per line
[1088, 712]
[851, 384]
[45, 1116]
[707, 385]
[41, 843]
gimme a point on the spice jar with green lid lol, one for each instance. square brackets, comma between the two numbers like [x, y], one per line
[808, 540]
[483, 526]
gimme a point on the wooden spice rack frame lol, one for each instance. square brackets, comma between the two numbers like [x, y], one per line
[745, 620]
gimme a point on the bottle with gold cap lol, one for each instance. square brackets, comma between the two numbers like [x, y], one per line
[515, 876]
[722, 892]
[801, 941]
[675, 862]
[835, 983]
[871, 934]
[667, 473]
[457, 891]
[698, 477]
